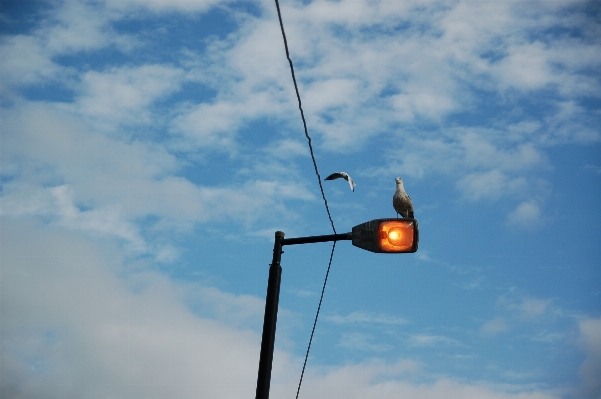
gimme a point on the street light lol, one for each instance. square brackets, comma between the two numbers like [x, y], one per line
[387, 235]
[378, 235]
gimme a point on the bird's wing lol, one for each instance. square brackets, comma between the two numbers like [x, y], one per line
[342, 175]
[335, 176]
[351, 183]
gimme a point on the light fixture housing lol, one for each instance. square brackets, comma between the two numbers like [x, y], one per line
[392, 235]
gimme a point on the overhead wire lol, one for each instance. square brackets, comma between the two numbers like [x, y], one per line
[277, 4]
[300, 107]
[315, 321]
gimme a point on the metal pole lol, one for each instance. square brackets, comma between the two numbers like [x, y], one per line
[271, 305]
[273, 291]
[314, 239]
[270, 319]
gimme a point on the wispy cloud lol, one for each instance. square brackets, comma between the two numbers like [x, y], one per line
[590, 336]
[70, 308]
[524, 306]
[362, 342]
[432, 340]
[359, 317]
[123, 95]
[526, 214]
[518, 309]
[494, 326]
[59, 169]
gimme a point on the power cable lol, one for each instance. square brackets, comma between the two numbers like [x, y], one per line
[325, 201]
[315, 322]
[277, 4]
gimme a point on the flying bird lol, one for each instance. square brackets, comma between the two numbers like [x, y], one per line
[401, 201]
[342, 175]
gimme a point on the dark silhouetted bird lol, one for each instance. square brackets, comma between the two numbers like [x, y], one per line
[342, 175]
[401, 201]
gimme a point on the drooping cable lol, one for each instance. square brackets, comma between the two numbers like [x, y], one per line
[277, 4]
[325, 201]
[315, 322]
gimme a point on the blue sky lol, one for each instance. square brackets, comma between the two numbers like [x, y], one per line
[151, 148]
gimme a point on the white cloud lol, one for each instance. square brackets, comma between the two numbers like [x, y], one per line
[526, 214]
[485, 164]
[549, 337]
[215, 125]
[303, 293]
[105, 221]
[70, 327]
[165, 5]
[24, 61]
[234, 310]
[473, 284]
[362, 342]
[432, 340]
[516, 310]
[367, 381]
[350, 13]
[365, 318]
[78, 26]
[526, 67]
[492, 184]
[590, 370]
[484, 150]
[468, 150]
[570, 123]
[494, 326]
[123, 95]
[524, 306]
[287, 148]
[596, 169]
[71, 27]
[64, 171]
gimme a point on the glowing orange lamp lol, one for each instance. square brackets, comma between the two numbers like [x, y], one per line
[387, 235]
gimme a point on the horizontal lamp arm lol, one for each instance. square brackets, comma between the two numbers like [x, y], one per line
[312, 239]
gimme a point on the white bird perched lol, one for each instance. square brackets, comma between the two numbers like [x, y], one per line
[342, 175]
[401, 201]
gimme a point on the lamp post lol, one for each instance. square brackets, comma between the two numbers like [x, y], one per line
[379, 235]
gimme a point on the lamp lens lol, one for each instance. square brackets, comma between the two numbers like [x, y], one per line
[395, 236]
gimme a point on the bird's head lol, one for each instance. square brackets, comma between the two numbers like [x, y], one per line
[399, 180]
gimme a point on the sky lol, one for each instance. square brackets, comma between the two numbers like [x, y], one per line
[151, 148]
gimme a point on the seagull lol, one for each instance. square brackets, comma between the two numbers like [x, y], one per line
[401, 201]
[344, 176]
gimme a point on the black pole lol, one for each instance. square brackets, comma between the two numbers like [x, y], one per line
[271, 304]
[270, 319]
[314, 239]
[365, 234]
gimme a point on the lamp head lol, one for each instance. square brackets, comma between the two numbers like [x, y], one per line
[387, 235]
